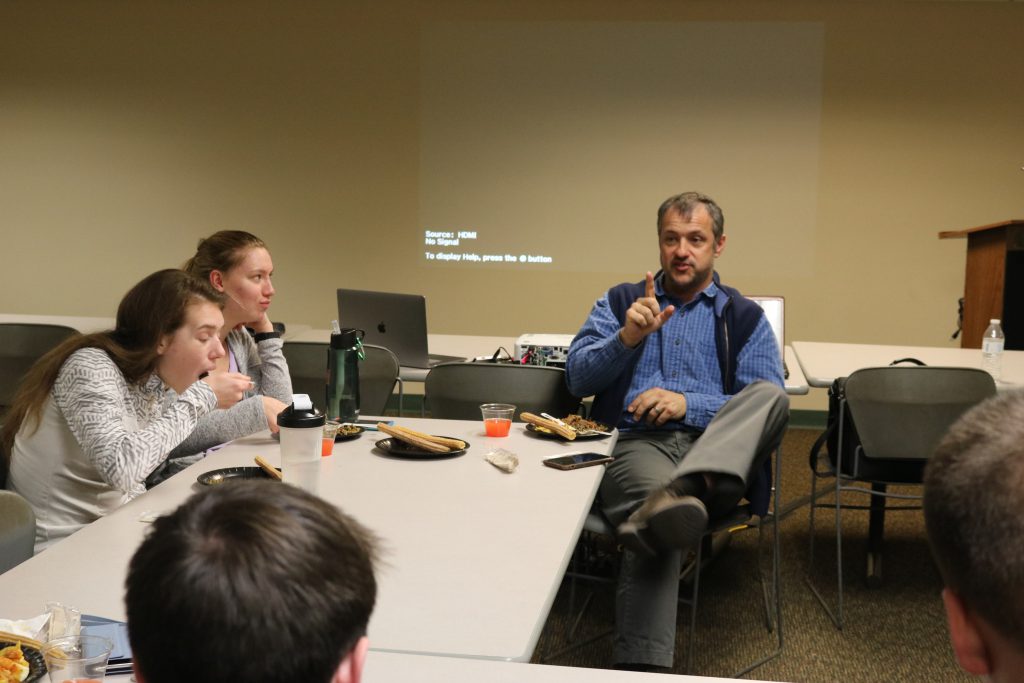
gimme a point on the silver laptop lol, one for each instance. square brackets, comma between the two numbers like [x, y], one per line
[395, 321]
[774, 308]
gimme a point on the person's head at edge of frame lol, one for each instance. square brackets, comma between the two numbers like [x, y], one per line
[238, 264]
[252, 581]
[972, 500]
[691, 235]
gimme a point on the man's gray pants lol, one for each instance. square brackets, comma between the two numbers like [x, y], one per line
[744, 432]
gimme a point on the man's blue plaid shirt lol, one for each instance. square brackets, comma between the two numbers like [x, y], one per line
[680, 357]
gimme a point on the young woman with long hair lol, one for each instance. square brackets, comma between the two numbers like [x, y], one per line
[97, 414]
[238, 265]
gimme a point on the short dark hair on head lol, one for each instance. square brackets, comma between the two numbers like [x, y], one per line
[684, 204]
[972, 508]
[252, 581]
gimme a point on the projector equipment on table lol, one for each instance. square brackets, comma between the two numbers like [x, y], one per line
[543, 349]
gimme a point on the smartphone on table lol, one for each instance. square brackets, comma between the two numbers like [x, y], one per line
[573, 461]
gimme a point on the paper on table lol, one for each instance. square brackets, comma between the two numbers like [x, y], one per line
[28, 628]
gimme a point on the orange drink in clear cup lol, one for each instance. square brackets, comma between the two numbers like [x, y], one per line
[330, 431]
[497, 418]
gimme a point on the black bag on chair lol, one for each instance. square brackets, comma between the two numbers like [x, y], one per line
[854, 462]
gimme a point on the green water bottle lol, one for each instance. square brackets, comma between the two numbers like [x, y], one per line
[343, 374]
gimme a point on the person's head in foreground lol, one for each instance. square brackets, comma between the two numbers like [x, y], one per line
[252, 581]
[973, 495]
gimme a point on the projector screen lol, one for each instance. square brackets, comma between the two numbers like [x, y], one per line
[550, 145]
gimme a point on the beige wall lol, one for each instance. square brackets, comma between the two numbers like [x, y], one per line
[129, 129]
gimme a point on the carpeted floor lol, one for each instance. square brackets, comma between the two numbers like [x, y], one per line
[894, 632]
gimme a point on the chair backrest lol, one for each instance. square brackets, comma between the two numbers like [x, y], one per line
[17, 530]
[378, 373]
[903, 412]
[307, 366]
[21, 345]
[456, 390]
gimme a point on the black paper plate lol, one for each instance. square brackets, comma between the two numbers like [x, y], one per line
[228, 473]
[401, 449]
[547, 434]
[36, 663]
[348, 437]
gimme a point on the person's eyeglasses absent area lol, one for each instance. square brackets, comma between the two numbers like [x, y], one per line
[256, 582]
[972, 494]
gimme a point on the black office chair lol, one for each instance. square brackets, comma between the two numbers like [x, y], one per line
[378, 375]
[890, 420]
[454, 391]
[21, 345]
[307, 366]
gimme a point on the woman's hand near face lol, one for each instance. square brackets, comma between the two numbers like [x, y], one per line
[261, 325]
[271, 408]
[230, 387]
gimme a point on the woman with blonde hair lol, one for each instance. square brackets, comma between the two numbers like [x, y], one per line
[97, 414]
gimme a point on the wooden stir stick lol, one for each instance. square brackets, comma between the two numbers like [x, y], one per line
[268, 468]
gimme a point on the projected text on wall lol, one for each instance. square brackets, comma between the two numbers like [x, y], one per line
[459, 247]
[550, 145]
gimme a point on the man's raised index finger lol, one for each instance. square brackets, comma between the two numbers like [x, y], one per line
[649, 289]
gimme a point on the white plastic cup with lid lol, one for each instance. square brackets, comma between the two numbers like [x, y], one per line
[302, 428]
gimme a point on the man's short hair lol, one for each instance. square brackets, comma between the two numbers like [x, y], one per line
[250, 581]
[685, 203]
[973, 499]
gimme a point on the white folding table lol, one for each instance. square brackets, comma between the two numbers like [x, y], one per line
[473, 557]
[391, 667]
[823, 362]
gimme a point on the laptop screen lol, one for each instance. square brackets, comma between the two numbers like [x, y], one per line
[395, 321]
[774, 308]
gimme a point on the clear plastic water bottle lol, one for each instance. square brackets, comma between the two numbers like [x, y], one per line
[992, 349]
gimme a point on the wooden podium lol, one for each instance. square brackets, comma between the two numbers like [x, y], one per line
[994, 281]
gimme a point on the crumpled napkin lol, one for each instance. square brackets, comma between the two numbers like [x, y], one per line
[27, 628]
[59, 620]
[506, 461]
